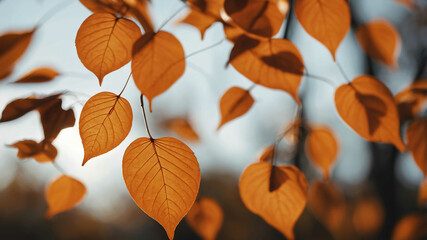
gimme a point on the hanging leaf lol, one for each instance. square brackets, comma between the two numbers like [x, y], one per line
[417, 142]
[105, 6]
[327, 204]
[38, 75]
[367, 106]
[203, 13]
[234, 103]
[158, 62]
[63, 194]
[139, 9]
[328, 21]
[12, 47]
[411, 227]
[322, 148]
[163, 177]
[205, 218]
[183, 128]
[22, 106]
[105, 121]
[411, 100]
[41, 152]
[259, 17]
[104, 43]
[381, 41]
[277, 194]
[54, 119]
[368, 216]
[267, 154]
[275, 63]
[422, 192]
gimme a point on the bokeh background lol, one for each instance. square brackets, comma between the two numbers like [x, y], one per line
[108, 211]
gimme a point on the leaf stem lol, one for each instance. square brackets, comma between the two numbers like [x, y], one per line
[343, 72]
[53, 11]
[289, 18]
[171, 17]
[145, 117]
[127, 81]
[326, 80]
[204, 49]
[58, 168]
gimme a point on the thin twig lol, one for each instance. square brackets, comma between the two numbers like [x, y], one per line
[145, 117]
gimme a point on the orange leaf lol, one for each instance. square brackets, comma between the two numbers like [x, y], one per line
[22, 106]
[139, 9]
[416, 136]
[63, 194]
[411, 100]
[260, 17]
[205, 218]
[274, 63]
[411, 227]
[381, 41]
[41, 152]
[104, 43]
[54, 119]
[422, 193]
[368, 216]
[328, 21]
[367, 106]
[105, 121]
[12, 47]
[234, 103]
[182, 128]
[105, 6]
[322, 148]
[163, 178]
[38, 75]
[277, 194]
[327, 204]
[267, 154]
[158, 62]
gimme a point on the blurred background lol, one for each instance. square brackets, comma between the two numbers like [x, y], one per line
[362, 173]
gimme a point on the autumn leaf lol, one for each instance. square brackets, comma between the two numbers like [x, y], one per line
[327, 204]
[275, 63]
[205, 218]
[22, 106]
[105, 6]
[259, 17]
[38, 75]
[275, 193]
[422, 192]
[417, 142]
[41, 152]
[203, 13]
[368, 107]
[411, 227]
[104, 43]
[234, 103]
[63, 194]
[368, 216]
[328, 21]
[12, 47]
[105, 121]
[163, 177]
[139, 10]
[322, 148]
[54, 119]
[267, 154]
[182, 127]
[381, 41]
[411, 100]
[158, 62]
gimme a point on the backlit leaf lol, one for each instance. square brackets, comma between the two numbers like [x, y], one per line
[205, 218]
[275, 63]
[260, 17]
[234, 103]
[41, 152]
[381, 41]
[12, 47]
[182, 127]
[278, 194]
[104, 43]
[63, 194]
[38, 75]
[22, 106]
[105, 121]
[158, 62]
[139, 9]
[322, 148]
[411, 227]
[411, 100]
[416, 136]
[328, 21]
[368, 216]
[422, 192]
[368, 107]
[163, 177]
[54, 119]
[105, 6]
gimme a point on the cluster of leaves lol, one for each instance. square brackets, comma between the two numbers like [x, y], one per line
[162, 174]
